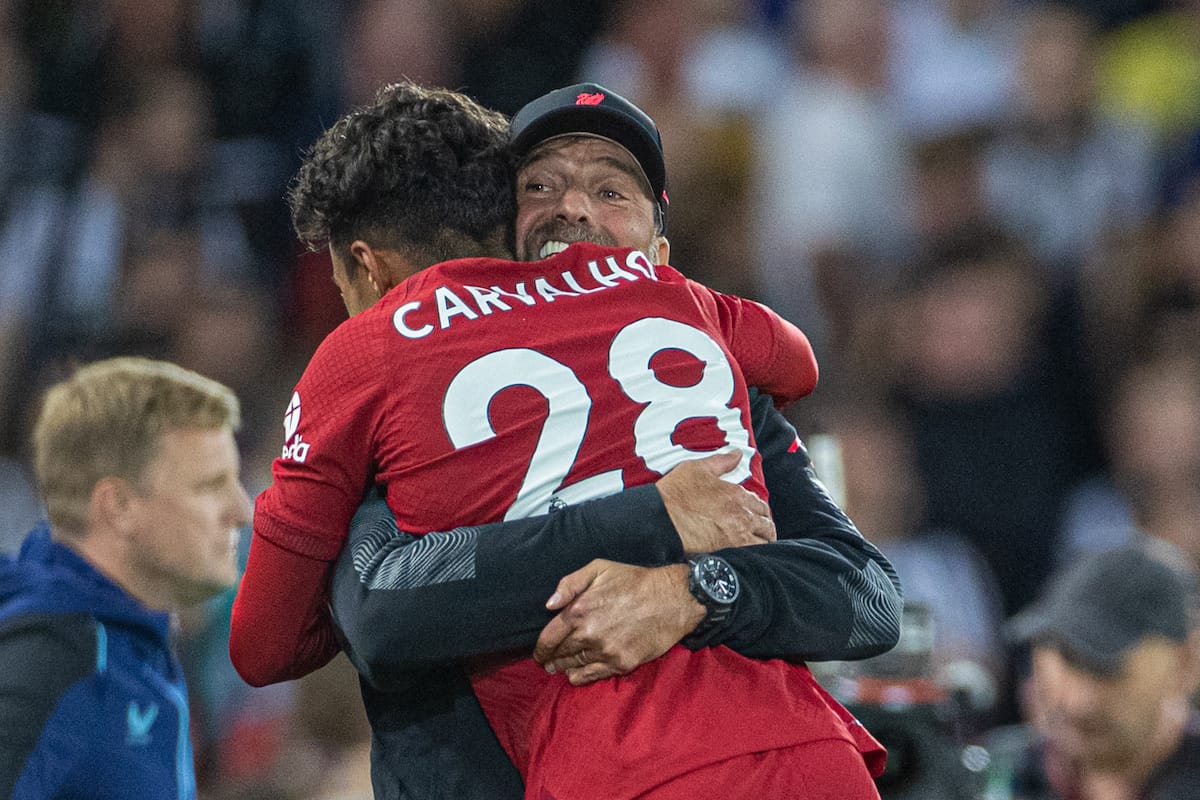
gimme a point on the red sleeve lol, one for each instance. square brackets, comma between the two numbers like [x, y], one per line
[281, 628]
[332, 428]
[774, 354]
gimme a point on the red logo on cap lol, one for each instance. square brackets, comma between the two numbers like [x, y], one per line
[589, 99]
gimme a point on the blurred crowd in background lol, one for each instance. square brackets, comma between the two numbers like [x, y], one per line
[984, 213]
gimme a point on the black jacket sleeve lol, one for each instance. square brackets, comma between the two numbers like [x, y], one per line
[41, 656]
[405, 602]
[821, 593]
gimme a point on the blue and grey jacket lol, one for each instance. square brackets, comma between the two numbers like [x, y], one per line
[92, 699]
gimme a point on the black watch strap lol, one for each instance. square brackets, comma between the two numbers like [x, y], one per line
[714, 584]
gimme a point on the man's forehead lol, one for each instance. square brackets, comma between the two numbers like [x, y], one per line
[600, 147]
[1145, 655]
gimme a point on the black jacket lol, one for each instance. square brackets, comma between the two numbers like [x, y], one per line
[411, 610]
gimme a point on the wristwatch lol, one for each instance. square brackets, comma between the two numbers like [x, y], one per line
[714, 584]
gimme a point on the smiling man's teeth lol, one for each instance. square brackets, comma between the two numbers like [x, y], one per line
[551, 248]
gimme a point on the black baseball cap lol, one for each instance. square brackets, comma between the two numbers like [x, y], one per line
[1107, 603]
[589, 108]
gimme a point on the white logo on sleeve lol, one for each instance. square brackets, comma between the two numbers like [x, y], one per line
[294, 446]
[139, 721]
[291, 417]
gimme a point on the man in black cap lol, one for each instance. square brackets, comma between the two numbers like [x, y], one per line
[824, 593]
[569, 142]
[591, 168]
[1114, 671]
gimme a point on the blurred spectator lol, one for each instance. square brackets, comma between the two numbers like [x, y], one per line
[22, 507]
[1115, 663]
[1173, 290]
[131, 248]
[313, 743]
[30, 180]
[684, 61]
[814, 146]
[832, 170]
[144, 233]
[337, 734]
[261, 82]
[1112, 13]
[687, 54]
[268, 62]
[274, 68]
[1060, 172]
[1142, 291]
[231, 333]
[947, 190]
[1152, 485]
[1149, 69]
[274, 71]
[86, 52]
[386, 40]
[940, 571]
[953, 63]
[516, 50]
[997, 433]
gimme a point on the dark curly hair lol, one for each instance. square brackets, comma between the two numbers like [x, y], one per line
[423, 171]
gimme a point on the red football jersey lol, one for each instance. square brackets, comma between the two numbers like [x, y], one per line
[678, 714]
[481, 390]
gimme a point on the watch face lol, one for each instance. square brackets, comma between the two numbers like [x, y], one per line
[718, 579]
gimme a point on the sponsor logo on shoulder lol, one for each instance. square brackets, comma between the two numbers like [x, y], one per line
[294, 446]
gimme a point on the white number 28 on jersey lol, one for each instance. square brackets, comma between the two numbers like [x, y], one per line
[465, 409]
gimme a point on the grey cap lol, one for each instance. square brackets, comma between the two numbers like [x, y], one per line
[1108, 602]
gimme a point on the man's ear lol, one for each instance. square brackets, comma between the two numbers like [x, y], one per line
[385, 268]
[661, 250]
[110, 503]
[369, 259]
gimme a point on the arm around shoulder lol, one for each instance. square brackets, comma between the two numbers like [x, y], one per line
[404, 602]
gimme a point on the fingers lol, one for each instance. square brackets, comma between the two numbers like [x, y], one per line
[573, 585]
[590, 674]
[759, 525]
[762, 528]
[584, 667]
[717, 464]
[755, 504]
[570, 659]
[550, 642]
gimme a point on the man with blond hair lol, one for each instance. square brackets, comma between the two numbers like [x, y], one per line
[137, 464]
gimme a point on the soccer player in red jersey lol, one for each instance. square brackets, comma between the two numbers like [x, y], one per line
[652, 351]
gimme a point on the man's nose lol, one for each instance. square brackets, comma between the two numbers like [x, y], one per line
[574, 206]
[241, 508]
[1078, 695]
